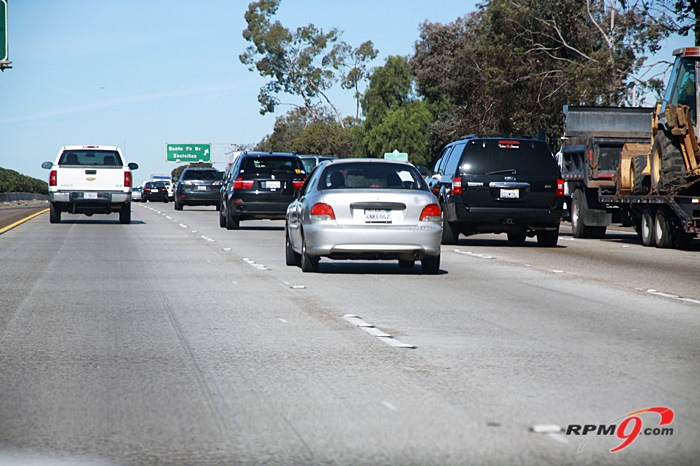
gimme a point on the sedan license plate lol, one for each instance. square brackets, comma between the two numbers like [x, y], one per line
[510, 193]
[202, 187]
[377, 216]
[273, 184]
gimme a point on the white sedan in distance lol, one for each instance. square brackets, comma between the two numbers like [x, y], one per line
[364, 209]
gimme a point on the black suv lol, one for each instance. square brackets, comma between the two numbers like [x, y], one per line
[260, 185]
[198, 186]
[499, 184]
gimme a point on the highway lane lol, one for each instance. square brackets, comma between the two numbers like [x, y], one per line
[172, 340]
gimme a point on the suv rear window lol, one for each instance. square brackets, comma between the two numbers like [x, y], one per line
[202, 175]
[104, 158]
[487, 156]
[270, 165]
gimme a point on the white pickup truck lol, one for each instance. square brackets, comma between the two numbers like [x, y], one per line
[90, 180]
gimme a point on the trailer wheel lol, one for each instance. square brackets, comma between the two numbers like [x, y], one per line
[647, 228]
[667, 162]
[663, 230]
[578, 206]
[639, 184]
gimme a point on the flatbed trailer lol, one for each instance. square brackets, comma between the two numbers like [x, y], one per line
[660, 220]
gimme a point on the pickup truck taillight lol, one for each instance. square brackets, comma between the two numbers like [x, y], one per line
[53, 178]
[127, 179]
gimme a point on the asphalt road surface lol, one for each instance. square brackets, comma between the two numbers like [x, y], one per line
[174, 341]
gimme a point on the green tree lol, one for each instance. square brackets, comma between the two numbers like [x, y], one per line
[394, 117]
[510, 66]
[289, 127]
[301, 63]
[324, 139]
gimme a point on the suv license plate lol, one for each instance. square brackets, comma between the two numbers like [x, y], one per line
[510, 193]
[377, 216]
[273, 184]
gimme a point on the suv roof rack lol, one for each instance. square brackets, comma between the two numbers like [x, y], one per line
[496, 135]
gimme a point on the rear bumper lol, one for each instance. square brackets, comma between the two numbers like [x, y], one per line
[373, 242]
[89, 201]
[264, 210]
[198, 198]
[490, 219]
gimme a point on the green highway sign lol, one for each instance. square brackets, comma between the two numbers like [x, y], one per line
[3, 31]
[396, 155]
[188, 152]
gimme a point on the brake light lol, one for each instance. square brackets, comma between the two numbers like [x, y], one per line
[239, 183]
[430, 213]
[298, 184]
[560, 188]
[53, 178]
[322, 211]
[127, 179]
[457, 185]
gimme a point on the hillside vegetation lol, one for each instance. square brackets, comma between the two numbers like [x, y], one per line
[14, 182]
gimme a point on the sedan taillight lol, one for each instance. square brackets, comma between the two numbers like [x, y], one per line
[430, 213]
[239, 183]
[322, 211]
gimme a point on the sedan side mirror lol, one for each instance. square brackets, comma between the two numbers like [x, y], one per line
[47, 165]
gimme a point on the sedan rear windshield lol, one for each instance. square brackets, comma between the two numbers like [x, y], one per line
[104, 158]
[204, 175]
[503, 156]
[372, 175]
[271, 165]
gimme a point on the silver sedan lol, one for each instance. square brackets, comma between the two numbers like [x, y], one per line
[364, 209]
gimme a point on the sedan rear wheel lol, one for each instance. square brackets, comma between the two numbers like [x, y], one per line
[406, 264]
[308, 263]
[291, 257]
[430, 264]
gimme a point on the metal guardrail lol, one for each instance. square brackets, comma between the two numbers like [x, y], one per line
[14, 197]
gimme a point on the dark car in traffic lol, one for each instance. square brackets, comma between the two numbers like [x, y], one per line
[260, 185]
[154, 191]
[198, 186]
[499, 184]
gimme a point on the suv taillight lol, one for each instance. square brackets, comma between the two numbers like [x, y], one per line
[298, 184]
[239, 183]
[560, 187]
[53, 178]
[457, 185]
[127, 179]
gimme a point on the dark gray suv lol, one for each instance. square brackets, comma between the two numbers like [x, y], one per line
[499, 184]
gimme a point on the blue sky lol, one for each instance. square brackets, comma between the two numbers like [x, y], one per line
[141, 74]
